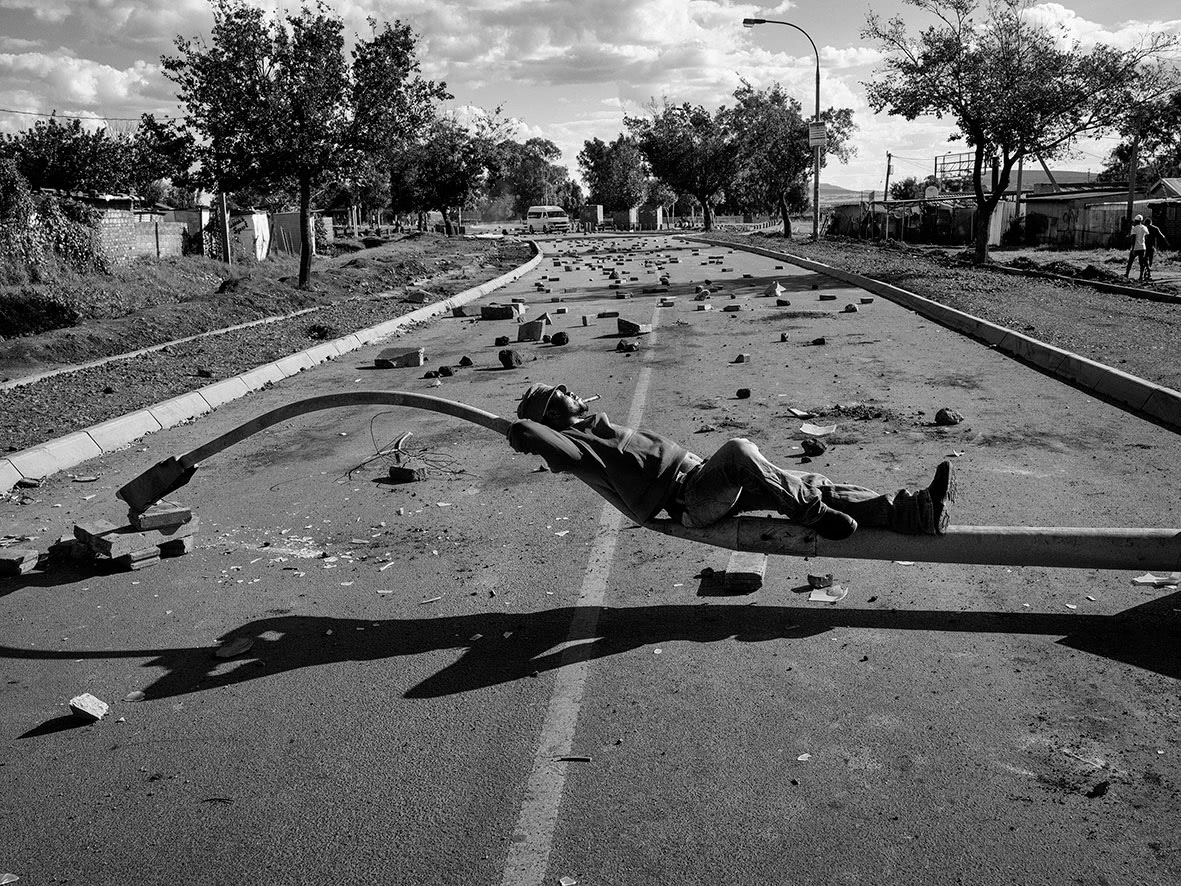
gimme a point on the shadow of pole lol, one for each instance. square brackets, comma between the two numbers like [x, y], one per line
[502, 647]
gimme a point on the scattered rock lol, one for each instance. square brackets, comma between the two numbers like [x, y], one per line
[446, 371]
[399, 358]
[819, 341]
[87, 707]
[560, 338]
[627, 347]
[850, 309]
[812, 446]
[466, 361]
[501, 341]
[947, 416]
[510, 359]
[742, 393]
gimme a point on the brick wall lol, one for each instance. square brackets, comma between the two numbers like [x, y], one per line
[124, 238]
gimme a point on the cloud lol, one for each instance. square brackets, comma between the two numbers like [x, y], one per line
[120, 22]
[62, 80]
[1074, 28]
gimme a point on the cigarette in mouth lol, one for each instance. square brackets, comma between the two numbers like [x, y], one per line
[589, 399]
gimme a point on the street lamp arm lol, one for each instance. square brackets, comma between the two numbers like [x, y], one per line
[771, 21]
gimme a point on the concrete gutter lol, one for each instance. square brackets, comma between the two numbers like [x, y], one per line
[1141, 397]
[73, 449]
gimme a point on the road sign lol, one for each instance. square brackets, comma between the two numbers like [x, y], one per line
[817, 137]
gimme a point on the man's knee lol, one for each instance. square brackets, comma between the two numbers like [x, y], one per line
[739, 448]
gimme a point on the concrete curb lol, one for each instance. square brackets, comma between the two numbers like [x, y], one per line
[1141, 397]
[58, 454]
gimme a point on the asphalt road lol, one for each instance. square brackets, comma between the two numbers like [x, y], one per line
[424, 654]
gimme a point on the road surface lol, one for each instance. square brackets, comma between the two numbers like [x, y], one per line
[489, 677]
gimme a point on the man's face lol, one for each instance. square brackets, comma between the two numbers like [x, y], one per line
[564, 410]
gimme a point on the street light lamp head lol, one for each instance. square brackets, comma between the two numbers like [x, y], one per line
[751, 22]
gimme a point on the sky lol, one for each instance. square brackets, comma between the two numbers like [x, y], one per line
[567, 70]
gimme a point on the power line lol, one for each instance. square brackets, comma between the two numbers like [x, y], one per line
[80, 116]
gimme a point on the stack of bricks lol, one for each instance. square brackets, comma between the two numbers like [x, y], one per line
[166, 529]
[18, 561]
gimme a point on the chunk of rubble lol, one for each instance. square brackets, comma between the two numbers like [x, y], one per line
[400, 358]
[87, 707]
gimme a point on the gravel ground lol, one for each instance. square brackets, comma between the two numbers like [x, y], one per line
[1133, 334]
[33, 413]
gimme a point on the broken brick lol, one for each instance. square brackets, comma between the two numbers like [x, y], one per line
[630, 327]
[403, 474]
[162, 513]
[87, 707]
[17, 561]
[399, 358]
[745, 571]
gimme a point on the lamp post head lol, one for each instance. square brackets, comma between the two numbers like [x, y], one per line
[751, 22]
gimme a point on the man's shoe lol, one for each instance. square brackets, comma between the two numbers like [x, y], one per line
[834, 525]
[942, 491]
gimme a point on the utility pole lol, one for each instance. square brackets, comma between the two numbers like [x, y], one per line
[1133, 162]
[886, 193]
[224, 228]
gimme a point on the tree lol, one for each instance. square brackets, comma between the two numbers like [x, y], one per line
[528, 172]
[1153, 136]
[272, 100]
[614, 172]
[908, 188]
[1013, 87]
[776, 161]
[67, 157]
[443, 170]
[693, 151]
[161, 152]
[392, 105]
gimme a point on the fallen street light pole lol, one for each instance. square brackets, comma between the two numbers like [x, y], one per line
[1052, 546]
[1060, 547]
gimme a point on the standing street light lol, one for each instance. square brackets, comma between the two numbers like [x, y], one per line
[816, 140]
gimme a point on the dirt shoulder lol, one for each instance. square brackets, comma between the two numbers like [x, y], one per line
[350, 291]
[1135, 335]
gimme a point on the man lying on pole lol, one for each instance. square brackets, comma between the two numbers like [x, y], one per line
[642, 473]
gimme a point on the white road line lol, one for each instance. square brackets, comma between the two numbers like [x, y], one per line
[529, 849]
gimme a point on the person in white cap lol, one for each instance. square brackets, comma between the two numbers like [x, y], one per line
[1139, 235]
[643, 473]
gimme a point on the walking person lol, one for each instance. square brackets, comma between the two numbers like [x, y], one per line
[1139, 235]
[1155, 238]
[643, 473]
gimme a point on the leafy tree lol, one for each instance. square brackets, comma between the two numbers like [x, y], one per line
[444, 170]
[1012, 86]
[1153, 134]
[908, 188]
[614, 172]
[692, 150]
[273, 101]
[161, 154]
[392, 104]
[528, 172]
[68, 157]
[776, 161]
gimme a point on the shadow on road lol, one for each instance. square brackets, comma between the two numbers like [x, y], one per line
[503, 647]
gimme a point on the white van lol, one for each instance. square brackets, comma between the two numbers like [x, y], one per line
[547, 218]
